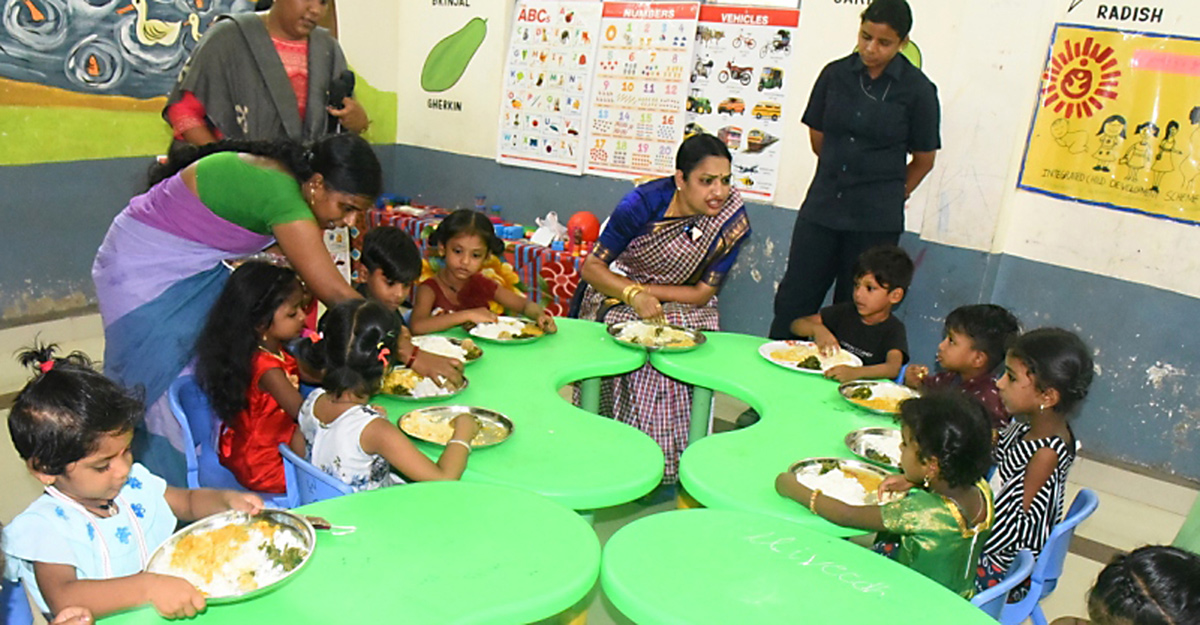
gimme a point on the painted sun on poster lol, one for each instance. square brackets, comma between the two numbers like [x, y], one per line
[1118, 122]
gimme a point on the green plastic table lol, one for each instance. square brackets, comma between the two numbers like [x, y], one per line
[802, 414]
[723, 566]
[575, 457]
[436, 552]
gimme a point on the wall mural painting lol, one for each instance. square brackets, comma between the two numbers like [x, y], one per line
[1118, 122]
[131, 48]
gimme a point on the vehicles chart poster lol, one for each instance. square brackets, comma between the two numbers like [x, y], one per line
[547, 80]
[640, 87]
[743, 55]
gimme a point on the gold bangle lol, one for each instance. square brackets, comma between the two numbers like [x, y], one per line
[631, 292]
[812, 501]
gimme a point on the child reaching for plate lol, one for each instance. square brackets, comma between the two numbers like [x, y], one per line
[938, 528]
[86, 540]
[351, 440]
[250, 379]
[1047, 373]
[458, 292]
[866, 326]
[975, 339]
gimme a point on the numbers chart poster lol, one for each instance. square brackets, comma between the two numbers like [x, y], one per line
[547, 79]
[743, 55]
[640, 87]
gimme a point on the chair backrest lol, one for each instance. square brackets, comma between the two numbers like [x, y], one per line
[1049, 564]
[306, 483]
[181, 393]
[992, 600]
[200, 426]
[14, 605]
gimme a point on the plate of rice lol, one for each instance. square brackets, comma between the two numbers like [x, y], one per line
[464, 350]
[434, 424]
[407, 384]
[656, 336]
[878, 445]
[877, 396]
[849, 481]
[232, 556]
[804, 356]
[507, 330]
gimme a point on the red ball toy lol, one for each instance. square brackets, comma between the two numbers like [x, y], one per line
[588, 225]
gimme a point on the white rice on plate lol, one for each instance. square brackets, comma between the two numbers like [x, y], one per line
[837, 484]
[441, 346]
[888, 446]
[233, 559]
[501, 329]
[655, 335]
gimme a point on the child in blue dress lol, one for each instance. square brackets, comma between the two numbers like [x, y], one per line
[85, 542]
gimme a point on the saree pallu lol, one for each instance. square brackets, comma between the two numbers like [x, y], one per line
[677, 251]
[157, 274]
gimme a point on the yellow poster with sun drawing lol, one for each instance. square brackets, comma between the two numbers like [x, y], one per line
[1118, 122]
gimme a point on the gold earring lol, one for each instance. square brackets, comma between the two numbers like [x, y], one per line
[926, 483]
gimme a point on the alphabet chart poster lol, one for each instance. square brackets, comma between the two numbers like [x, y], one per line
[743, 55]
[546, 84]
[641, 80]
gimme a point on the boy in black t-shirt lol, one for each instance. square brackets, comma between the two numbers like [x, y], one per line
[865, 326]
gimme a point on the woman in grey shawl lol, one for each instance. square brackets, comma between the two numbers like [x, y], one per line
[263, 76]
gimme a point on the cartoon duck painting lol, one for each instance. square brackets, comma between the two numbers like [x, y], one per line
[156, 32]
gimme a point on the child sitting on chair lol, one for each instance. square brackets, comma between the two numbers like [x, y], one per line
[865, 326]
[975, 339]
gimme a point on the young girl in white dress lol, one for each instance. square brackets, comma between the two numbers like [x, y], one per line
[349, 439]
[82, 547]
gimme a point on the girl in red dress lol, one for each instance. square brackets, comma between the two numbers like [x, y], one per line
[252, 382]
[458, 292]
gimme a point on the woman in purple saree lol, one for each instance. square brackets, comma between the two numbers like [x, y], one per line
[160, 268]
[664, 253]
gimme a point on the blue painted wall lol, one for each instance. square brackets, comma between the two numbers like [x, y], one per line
[1144, 408]
[55, 216]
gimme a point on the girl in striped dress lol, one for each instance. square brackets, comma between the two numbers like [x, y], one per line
[1046, 373]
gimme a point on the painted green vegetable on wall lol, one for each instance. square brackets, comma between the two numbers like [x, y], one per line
[448, 60]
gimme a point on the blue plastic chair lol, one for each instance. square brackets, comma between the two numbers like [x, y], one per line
[306, 483]
[992, 600]
[199, 424]
[1049, 565]
[14, 605]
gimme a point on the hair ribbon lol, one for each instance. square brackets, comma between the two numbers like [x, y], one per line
[383, 355]
[46, 366]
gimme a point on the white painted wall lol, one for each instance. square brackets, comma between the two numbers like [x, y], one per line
[986, 57]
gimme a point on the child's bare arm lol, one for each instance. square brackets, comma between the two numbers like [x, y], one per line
[190, 504]
[173, 597]
[275, 383]
[863, 517]
[423, 320]
[1041, 465]
[382, 438]
[887, 370]
[511, 300]
[812, 327]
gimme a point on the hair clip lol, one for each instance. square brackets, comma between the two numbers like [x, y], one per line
[383, 355]
[46, 366]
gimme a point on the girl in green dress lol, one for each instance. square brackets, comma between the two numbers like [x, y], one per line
[942, 508]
